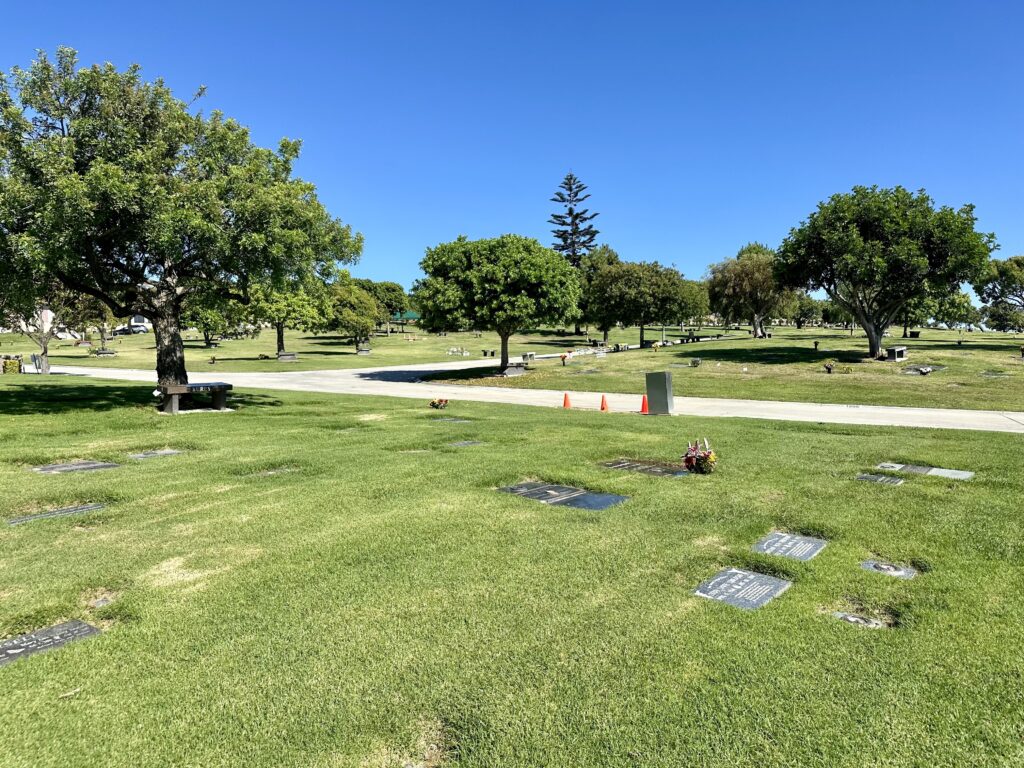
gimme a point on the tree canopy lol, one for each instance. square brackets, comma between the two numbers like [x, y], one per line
[503, 284]
[1003, 283]
[873, 250]
[574, 234]
[126, 195]
[745, 287]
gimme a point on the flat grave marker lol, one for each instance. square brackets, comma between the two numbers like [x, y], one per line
[565, 496]
[790, 545]
[645, 468]
[880, 479]
[916, 469]
[743, 589]
[859, 621]
[51, 513]
[73, 466]
[44, 640]
[890, 569]
[154, 454]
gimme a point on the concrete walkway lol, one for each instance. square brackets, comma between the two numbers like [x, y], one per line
[403, 381]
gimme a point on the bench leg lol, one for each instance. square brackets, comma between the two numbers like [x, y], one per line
[171, 404]
[220, 401]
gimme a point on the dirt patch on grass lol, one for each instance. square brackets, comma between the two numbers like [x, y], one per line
[711, 542]
[432, 749]
[176, 572]
[372, 417]
[100, 597]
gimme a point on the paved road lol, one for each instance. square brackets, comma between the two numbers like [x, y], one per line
[403, 381]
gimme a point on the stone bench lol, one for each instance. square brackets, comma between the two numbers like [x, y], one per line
[172, 394]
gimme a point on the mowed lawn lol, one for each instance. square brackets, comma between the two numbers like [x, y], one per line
[984, 372]
[324, 581]
[316, 352]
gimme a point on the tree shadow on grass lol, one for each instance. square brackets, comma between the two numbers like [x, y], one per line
[769, 355]
[41, 399]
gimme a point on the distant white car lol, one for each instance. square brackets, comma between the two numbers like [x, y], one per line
[130, 330]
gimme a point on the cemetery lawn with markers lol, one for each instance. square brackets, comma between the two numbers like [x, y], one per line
[324, 581]
[984, 372]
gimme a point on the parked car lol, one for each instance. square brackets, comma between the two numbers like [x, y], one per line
[130, 330]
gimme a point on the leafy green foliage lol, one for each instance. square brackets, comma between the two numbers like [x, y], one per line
[503, 284]
[806, 309]
[123, 194]
[638, 293]
[745, 287]
[574, 234]
[354, 310]
[873, 250]
[1003, 283]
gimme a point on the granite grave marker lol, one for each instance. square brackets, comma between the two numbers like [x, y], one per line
[73, 466]
[743, 589]
[916, 469]
[645, 468]
[881, 479]
[51, 513]
[44, 640]
[565, 496]
[790, 545]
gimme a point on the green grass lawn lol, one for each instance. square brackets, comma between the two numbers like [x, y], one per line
[315, 352]
[983, 372]
[380, 596]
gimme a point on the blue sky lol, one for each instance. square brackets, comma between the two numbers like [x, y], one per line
[698, 127]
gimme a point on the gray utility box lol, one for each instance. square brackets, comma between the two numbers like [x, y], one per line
[659, 393]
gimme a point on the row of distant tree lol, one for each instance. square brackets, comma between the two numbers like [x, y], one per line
[117, 199]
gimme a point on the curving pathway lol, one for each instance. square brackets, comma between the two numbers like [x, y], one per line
[403, 381]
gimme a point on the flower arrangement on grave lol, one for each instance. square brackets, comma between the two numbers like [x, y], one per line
[700, 459]
[439, 403]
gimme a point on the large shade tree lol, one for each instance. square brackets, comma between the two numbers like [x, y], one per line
[504, 284]
[129, 196]
[638, 293]
[873, 250]
[746, 287]
[1002, 283]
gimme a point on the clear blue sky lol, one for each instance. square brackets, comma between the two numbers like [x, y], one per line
[698, 127]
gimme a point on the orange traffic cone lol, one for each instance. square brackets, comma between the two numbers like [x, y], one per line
[643, 405]
[604, 404]
[565, 401]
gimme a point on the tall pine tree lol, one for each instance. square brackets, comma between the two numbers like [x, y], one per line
[574, 236]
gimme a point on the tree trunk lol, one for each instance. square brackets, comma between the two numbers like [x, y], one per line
[44, 354]
[103, 336]
[170, 351]
[504, 350]
[874, 340]
[641, 335]
[280, 337]
[578, 330]
[758, 327]
[605, 335]
[906, 329]
[799, 324]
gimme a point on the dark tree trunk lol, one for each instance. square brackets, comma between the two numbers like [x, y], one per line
[874, 339]
[641, 334]
[44, 354]
[207, 337]
[578, 330]
[799, 324]
[906, 330]
[605, 335]
[504, 350]
[280, 337]
[170, 351]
